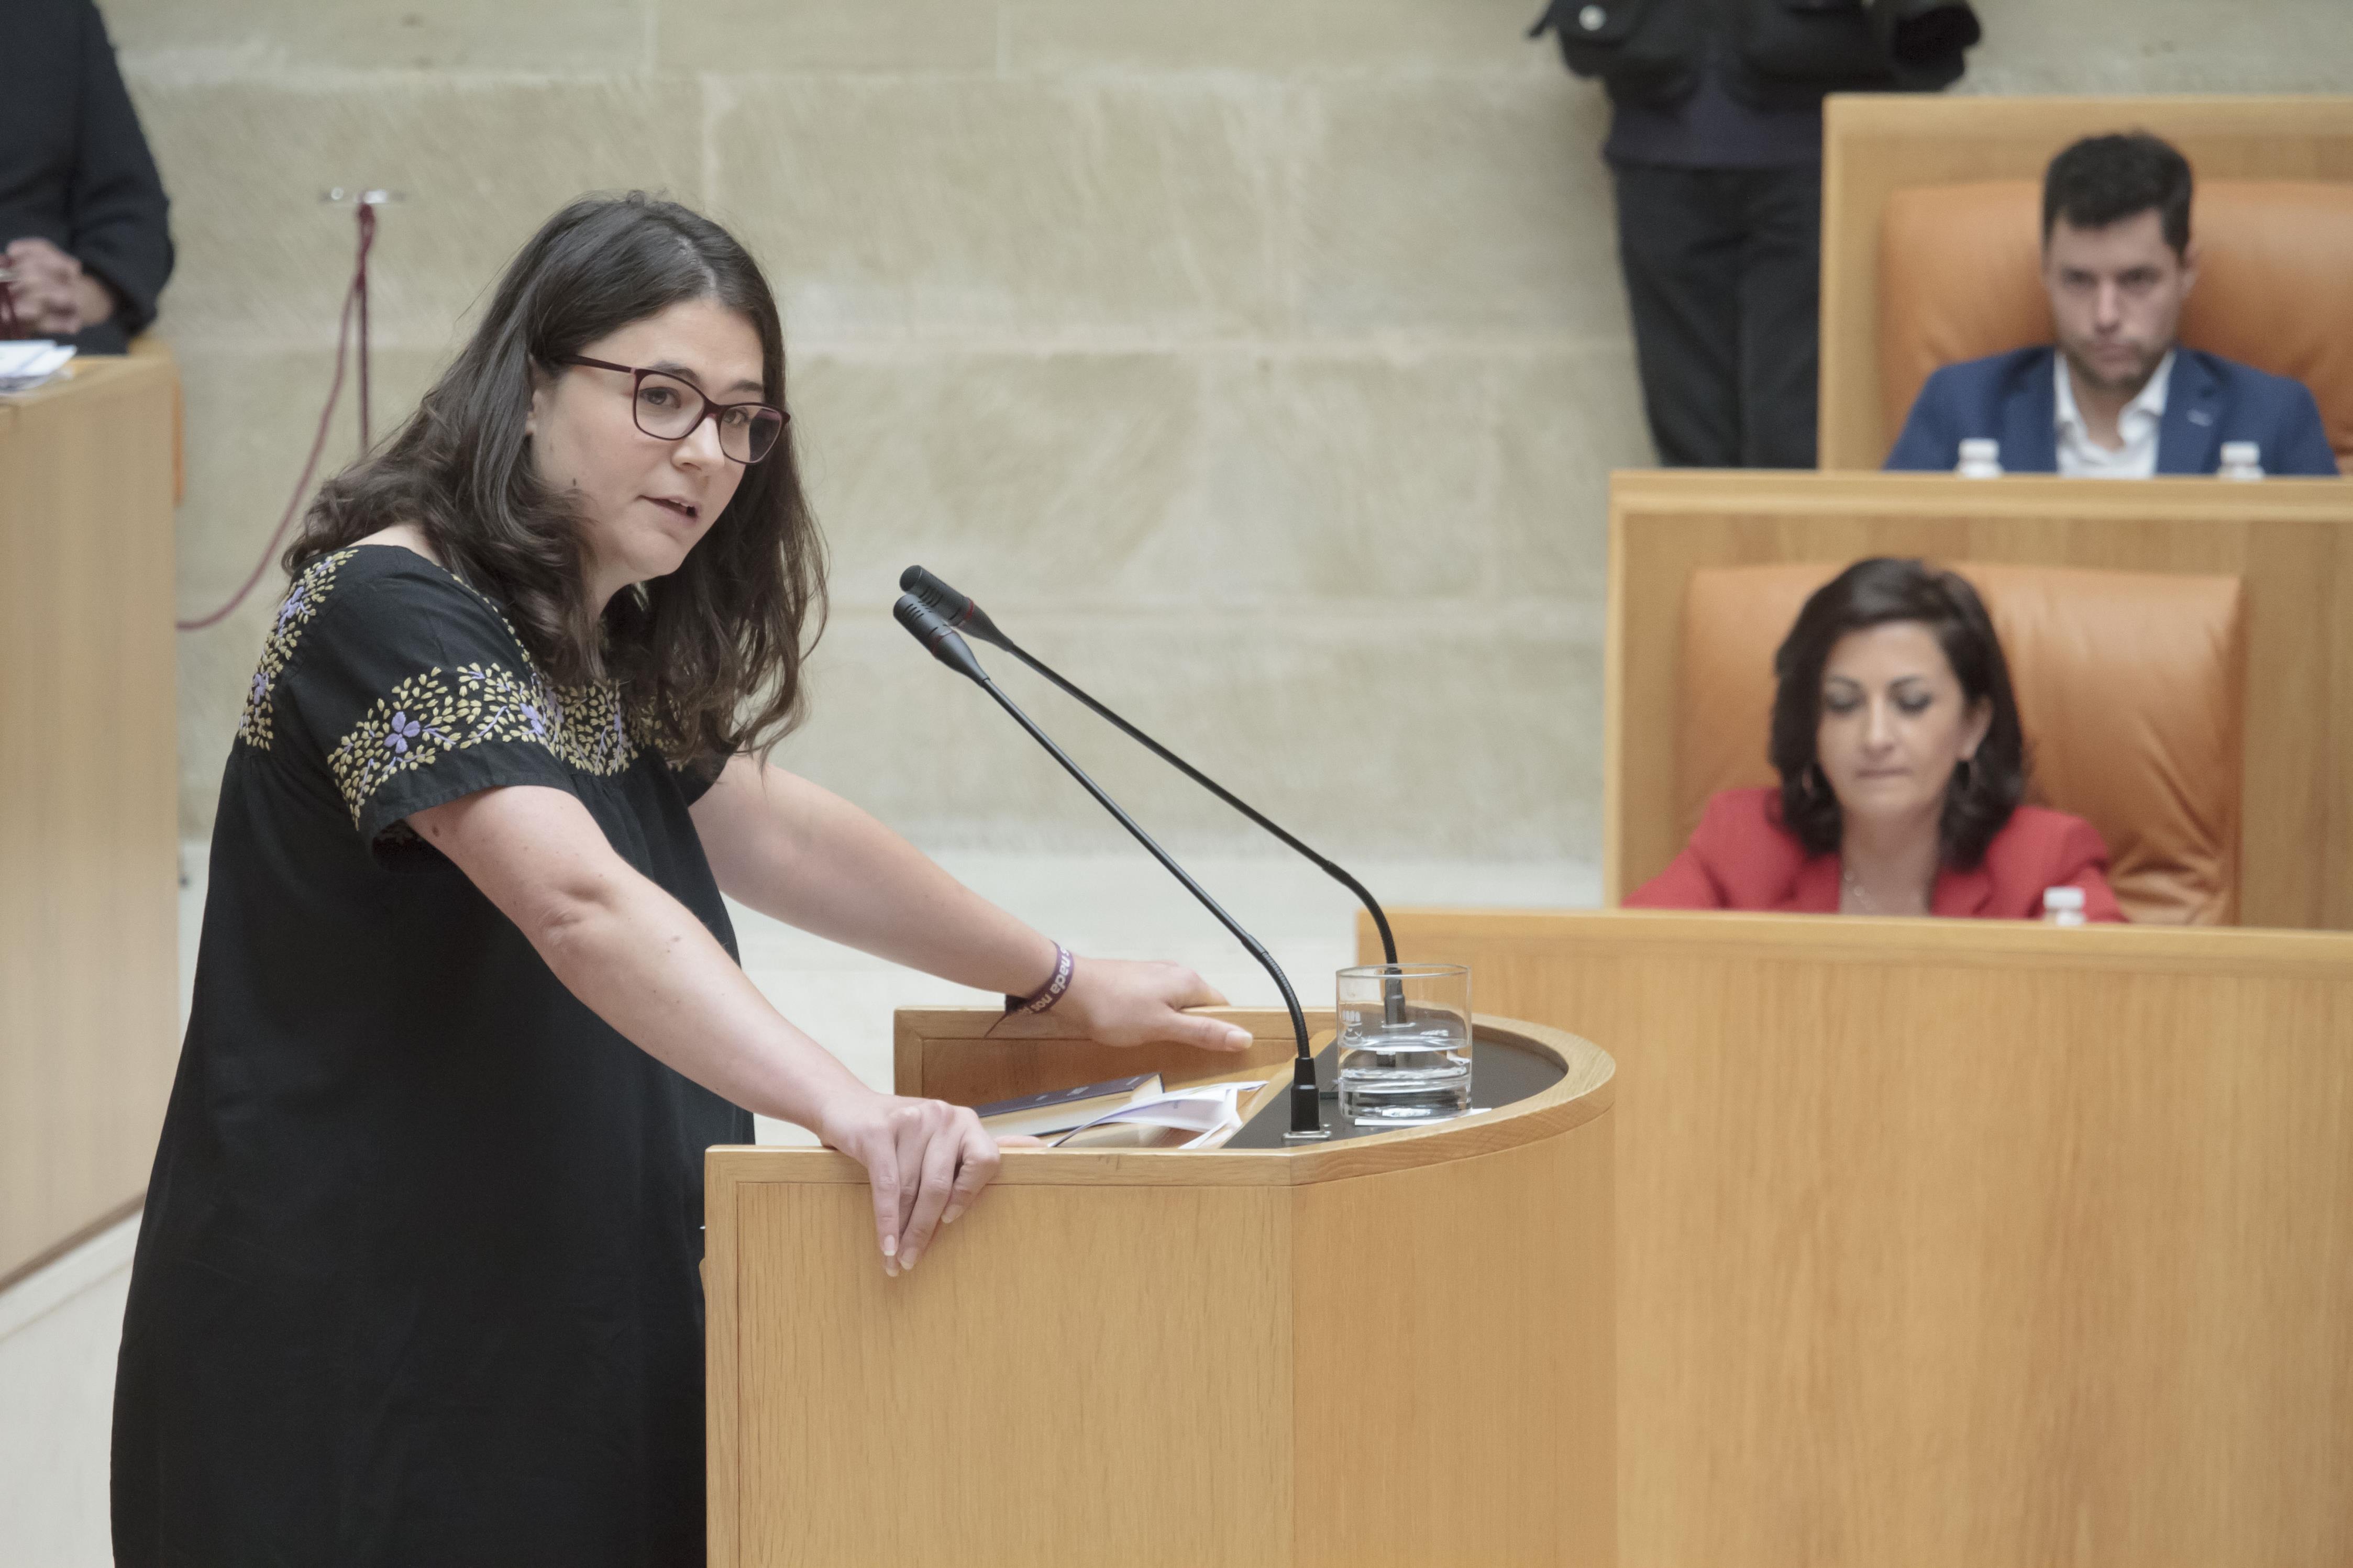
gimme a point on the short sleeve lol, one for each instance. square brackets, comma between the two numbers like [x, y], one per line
[410, 690]
[696, 776]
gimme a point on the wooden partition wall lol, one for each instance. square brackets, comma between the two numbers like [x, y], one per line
[88, 799]
[2290, 541]
[1875, 143]
[1964, 1242]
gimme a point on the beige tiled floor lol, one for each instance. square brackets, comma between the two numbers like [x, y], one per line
[58, 1328]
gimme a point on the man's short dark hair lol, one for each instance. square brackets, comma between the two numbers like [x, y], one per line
[2103, 180]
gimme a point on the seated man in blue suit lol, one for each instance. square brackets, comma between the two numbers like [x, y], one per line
[2117, 397]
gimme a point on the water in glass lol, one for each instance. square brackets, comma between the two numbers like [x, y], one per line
[1404, 1053]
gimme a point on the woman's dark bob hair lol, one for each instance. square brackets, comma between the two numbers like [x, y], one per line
[1983, 790]
[710, 656]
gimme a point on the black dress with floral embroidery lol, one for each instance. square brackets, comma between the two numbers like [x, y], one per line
[416, 1283]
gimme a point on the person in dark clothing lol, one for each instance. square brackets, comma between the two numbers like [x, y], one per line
[82, 214]
[1716, 151]
[1719, 237]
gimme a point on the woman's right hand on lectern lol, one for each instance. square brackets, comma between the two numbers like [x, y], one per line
[925, 1161]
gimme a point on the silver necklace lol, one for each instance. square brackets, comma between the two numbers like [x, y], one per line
[1862, 899]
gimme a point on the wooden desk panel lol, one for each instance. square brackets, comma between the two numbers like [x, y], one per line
[1964, 1242]
[2290, 541]
[89, 813]
[1101, 1335]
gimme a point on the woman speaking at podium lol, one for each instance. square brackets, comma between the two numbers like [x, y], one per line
[416, 1282]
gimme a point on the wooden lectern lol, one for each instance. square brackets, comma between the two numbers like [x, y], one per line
[89, 800]
[1388, 1349]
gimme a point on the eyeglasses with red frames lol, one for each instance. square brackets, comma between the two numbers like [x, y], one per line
[670, 409]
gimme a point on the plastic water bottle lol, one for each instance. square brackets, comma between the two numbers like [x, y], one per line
[2063, 906]
[1980, 458]
[2240, 460]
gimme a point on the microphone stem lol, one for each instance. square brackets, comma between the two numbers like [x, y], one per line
[1256, 949]
[1337, 873]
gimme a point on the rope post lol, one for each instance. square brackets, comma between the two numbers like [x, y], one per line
[355, 302]
[359, 287]
[363, 205]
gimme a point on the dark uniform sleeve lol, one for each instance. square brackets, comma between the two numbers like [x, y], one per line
[115, 207]
[410, 690]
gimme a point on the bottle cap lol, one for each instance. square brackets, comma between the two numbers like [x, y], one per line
[2063, 898]
[2241, 454]
[1986, 450]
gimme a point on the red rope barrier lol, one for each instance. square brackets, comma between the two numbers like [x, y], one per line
[359, 287]
[357, 295]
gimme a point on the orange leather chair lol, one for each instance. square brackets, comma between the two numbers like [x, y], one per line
[2128, 684]
[1960, 278]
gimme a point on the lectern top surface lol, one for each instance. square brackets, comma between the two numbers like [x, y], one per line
[1529, 1081]
[1502, 1072]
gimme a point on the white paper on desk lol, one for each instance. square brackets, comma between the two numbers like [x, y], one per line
[25, 365]
[1213, 1111]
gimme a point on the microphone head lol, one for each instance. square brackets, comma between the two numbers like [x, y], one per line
[958, 610]
[937, 635]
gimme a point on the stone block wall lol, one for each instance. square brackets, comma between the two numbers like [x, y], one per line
[1259, 361]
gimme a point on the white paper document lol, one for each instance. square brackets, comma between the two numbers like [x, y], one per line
[27, 363]
[1212, 1111]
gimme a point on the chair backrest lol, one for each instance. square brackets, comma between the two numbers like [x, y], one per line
[1960, 276]
[2129, 686]
[1876, 146]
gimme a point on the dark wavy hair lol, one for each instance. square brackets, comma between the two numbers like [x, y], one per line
[1982, 793]
[711, 655]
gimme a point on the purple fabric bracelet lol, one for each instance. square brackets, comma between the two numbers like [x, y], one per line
[1051, 992]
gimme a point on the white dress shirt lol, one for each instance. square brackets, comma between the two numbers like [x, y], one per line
[2081, 457]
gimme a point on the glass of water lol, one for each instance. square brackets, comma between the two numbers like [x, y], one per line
[1405, 1043]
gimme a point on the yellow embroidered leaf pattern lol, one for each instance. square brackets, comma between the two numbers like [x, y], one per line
[257, 726]
[430, 715]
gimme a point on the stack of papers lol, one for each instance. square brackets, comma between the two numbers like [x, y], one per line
[1198, 1118]
[1060, 1109]
[25, 365]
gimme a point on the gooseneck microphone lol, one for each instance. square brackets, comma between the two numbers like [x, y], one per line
[949, 649]
[959, 612]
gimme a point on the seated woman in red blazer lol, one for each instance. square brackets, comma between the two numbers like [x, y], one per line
[1902, 767]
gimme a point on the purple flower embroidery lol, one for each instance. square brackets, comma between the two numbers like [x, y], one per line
[404, 730]
[296, 603]
[530, 717]
[261, 686]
